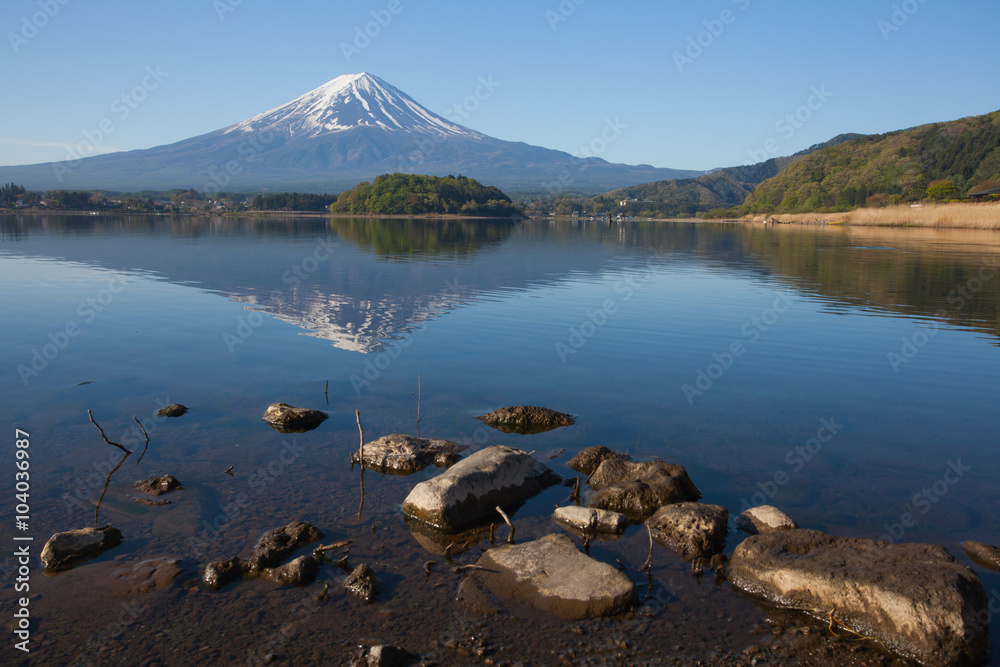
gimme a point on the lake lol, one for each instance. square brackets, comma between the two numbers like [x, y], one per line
[837, 373]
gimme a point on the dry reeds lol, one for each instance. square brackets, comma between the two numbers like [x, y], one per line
[963, 215]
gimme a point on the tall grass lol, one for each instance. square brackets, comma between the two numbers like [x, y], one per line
[944, 216]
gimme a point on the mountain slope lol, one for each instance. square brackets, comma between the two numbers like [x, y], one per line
[898, 165]
[723, 188]
[350, 129]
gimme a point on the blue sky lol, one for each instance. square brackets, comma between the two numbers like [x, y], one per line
[697, 84]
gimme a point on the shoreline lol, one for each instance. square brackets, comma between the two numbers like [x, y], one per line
[983, 216]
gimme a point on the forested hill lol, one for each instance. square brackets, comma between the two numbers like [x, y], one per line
[720, 189]
[410, 194]
[937, 161]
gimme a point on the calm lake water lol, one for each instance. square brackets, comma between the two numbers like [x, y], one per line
[836, 373]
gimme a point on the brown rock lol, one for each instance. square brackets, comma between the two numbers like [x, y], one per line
[402, 454]
[299, 572]
[148, 575]
[914, 598]
[589, 459]
[983, 554]
[156, 486]
[363, 582]
[175, 410]
[278, 544]
[693, 530]
[764, 519]
[637, 489]
[68, 549]
[526, 419]
[220, 572]
[286, 419]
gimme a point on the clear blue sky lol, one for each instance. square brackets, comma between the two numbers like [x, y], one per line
[560, 81]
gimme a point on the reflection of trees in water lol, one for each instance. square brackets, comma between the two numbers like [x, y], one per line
[399, 238]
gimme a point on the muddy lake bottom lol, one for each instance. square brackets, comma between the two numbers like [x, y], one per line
[892, 334]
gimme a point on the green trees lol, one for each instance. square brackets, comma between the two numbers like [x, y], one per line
[412, 194]
[10, 193]
[942, 190]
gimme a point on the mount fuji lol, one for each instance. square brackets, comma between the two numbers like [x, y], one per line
[350, 129]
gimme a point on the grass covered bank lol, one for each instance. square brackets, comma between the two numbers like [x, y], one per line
[950, 216]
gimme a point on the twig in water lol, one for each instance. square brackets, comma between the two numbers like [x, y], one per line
[428, 568]
[229, 471]
[146, 446]
[418, 405]
[114, 444]
[324, 594]
[326, 392]
[860, 636]
[361, 459]
[648, 565]
[330, 547]
[510, 537]
[576, 490]
[492, 529]
[108, 481]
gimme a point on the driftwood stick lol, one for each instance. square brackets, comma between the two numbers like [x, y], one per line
[331, 547]
[361, 459]
[510, 537]
[648, 565]
[418, 405]
[101, 430]
[146, 446]
[107, 482]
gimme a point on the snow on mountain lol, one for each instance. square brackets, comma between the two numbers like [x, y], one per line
[348, 102]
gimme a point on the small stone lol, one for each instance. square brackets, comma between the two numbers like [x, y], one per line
[526, 419]
[693, 530]
[220, 572]
[363, 582]
[764, 519]
[589, 459]
[590, 520]
[156, 486]
[68, 549]
[276, 545]
[983, 554]
[299, 572]
[175, 410]
[286, 419]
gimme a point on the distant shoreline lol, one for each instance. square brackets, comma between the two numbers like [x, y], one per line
[231, 214]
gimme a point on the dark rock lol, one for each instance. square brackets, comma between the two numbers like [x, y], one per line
[383, 656]
[286, 419]
[637, 489]
[589, 459]
[764, 519]
[551, 574]
[156, 486]
[693, 530]
[914, 598]
[439, 543]
[150, 502]
[299, 572]
[66, 550]
[526, 419]
[403, 455]
[220, 572]
[472, 489]
[983, 554]
[363, 583]
[278, 544]
[589, 520]
[175, 410]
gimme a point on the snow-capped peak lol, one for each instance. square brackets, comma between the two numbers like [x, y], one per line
[347, 102]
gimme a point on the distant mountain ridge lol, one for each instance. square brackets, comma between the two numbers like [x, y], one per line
[348, 130]
[719, 189]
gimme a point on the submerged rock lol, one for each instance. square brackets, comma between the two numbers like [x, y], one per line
[402, 454]
[983, 554]
[363, 582]
[156, 486]
[526, 419]
[591, 458]
[286, 419]
[146, 576]
[299, 572]
[471, 490]
[276, 545]
[218, 573]
[638, 489]
[68, 549]
[551, 574]
[693, 530]
[175, 410]
[764, 519]
[914, 598]
[590, 520]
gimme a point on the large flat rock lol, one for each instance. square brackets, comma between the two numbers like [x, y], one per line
[68, 549]
[551, 574]
[526, 419]
[914, 598]
[399, 454]
[471, 490]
